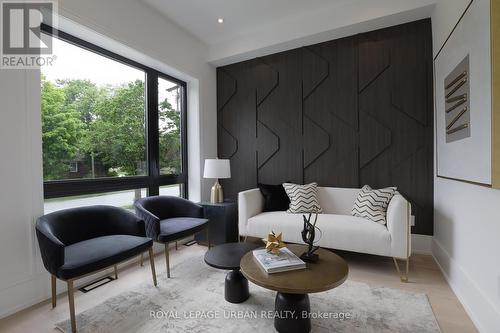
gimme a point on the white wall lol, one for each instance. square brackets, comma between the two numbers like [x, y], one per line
[126, 27]
[466, 220]
[21, 196]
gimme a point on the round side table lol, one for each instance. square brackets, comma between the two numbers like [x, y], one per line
[228, 256]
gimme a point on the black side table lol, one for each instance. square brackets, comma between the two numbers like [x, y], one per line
[222, 225]
[227, 256]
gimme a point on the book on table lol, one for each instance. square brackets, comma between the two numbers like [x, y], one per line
[286, 260]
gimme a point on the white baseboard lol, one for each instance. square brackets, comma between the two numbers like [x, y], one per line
[483, 313]
[421, 244]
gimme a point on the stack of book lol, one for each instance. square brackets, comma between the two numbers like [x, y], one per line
[284, 261]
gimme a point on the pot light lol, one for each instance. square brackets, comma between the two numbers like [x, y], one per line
[220, 20]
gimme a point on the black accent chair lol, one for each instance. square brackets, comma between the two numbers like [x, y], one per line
[169, 219]
[81, 241]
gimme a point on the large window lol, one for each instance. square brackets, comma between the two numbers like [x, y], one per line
[93, 116]
[111, 127]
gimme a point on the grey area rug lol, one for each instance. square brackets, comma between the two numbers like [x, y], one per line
[193, 301]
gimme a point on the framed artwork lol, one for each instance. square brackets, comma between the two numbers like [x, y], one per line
[464, 99]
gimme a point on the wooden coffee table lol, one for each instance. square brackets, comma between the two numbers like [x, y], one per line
[292, 307]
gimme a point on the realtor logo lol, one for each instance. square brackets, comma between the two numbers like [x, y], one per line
[22, 41]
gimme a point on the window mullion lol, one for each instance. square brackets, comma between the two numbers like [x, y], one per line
[152, 131]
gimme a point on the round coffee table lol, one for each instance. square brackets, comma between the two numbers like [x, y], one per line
[292, 307]
[227, 256]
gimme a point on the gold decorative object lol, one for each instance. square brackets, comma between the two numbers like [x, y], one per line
[457, 102]
[458, 128]
[458, 78]
[456, 105]
[273, 242]
[454, 120]
[458, 86]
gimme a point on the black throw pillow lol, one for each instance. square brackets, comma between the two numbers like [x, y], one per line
[275, 197]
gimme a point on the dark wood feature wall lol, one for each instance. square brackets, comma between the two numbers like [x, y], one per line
[344, 113]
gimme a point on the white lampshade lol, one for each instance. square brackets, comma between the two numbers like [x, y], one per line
[215, 168]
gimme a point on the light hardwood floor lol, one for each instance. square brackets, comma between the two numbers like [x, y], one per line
[425, 277]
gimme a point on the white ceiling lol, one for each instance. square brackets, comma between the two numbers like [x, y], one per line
[240, 16]
[254, 28]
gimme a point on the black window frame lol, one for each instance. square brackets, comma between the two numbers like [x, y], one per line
[153, 180]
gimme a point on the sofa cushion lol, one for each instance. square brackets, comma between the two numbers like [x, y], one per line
[343, 232]
[372, 204]
[97, 253]
[335, 200]
[180, 227]
[303, 198]
[275, 197]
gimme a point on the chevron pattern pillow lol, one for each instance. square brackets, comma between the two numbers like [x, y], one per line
[372, 204]
[303, 198]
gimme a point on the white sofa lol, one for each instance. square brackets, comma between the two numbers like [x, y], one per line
[340, 230]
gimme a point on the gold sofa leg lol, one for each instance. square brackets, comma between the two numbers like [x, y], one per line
[404, 278]
[53, 284]
[71, 298]
[115, 267]
[167, 260]
[152, 262]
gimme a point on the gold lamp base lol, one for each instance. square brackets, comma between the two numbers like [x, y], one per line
[216, 194]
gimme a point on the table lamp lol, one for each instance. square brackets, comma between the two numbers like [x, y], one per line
[218, 169]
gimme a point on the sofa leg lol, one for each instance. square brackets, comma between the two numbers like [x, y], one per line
[176, 248]
[404, 278]
[142, 259]
[71, 298]
[152, 262]
[167, 260]
[53, 285]
[115, 267]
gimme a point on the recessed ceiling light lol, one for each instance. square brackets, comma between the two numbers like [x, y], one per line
[220, 20]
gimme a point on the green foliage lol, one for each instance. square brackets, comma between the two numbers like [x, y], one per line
[170, 139]
[84, 96]
[117, 135]
[62, 132]
[81, 120]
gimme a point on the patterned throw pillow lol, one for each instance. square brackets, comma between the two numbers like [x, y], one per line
[372, 204]
[303, 198]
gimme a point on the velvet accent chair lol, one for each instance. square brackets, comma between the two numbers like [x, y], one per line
[169, 219]
[82, 241]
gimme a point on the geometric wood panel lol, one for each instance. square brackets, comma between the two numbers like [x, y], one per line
[343, 113]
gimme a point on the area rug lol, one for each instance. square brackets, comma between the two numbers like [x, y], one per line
[193, 301]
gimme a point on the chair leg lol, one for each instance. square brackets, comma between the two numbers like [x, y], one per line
[403, 278]
[167, 260]
[152, 262]
[53, 285]
[116, 271]
[142, 259]
[71, 298]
